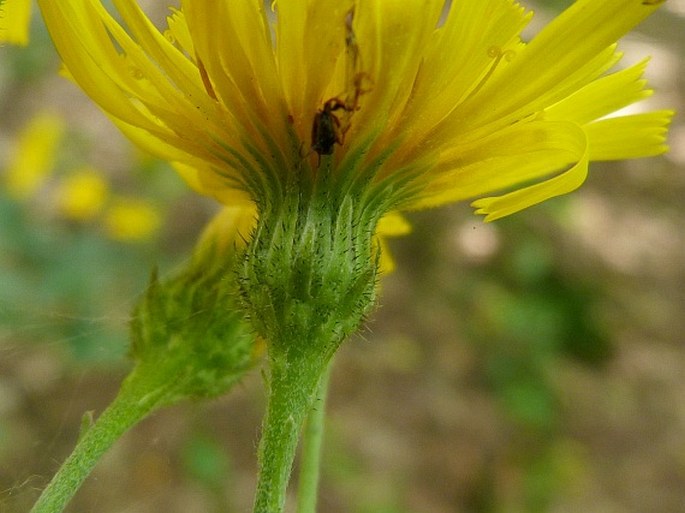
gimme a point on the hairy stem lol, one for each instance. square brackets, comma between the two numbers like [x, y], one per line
[112, 423]
[291, 394]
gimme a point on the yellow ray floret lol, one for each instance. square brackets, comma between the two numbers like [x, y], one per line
[15, 18]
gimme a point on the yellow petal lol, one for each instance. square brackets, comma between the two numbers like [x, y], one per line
[386, 263]
[15, 20]
[496, 207]
[171, 67]
[392, 36]
[628, 137]
[459, 57]
[86, 50]
[148, 85]
[543, 70]
[603, 96]
[209, 182]
[500, 102]
[167, 83]
[393, 224]
[234, 43]
[521, 153]
[310, 38]
[290, 34]
[178, 32]
[227, 231]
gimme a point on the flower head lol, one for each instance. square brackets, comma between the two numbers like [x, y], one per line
[386, 94]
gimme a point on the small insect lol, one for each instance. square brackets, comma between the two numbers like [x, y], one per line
[326, 129]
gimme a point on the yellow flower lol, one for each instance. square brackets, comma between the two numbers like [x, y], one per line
[82, 194]
[15, 18]
[130, 219]
[377, 92]
[34, 156]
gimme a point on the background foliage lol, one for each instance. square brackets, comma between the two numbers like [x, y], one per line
[533, 365]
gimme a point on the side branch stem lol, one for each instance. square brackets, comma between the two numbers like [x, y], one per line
[119, 416]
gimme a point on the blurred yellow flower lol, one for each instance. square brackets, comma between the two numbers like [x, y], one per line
[380, 93]
[82, 194]
[34, 155]
[15, 18]
[132, 219]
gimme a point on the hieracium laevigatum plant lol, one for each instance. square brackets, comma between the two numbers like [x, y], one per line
[315, 122]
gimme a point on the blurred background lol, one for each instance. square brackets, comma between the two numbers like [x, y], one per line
[536, 364]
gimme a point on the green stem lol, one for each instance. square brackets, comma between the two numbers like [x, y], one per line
[311, 450]
[291, 393]
[119, 416]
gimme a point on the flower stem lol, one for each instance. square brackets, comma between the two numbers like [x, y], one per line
[291, 394]
[311, 450]
[119, 416]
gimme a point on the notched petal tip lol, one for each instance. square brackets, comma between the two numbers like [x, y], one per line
[629, 137]
[501, 206]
